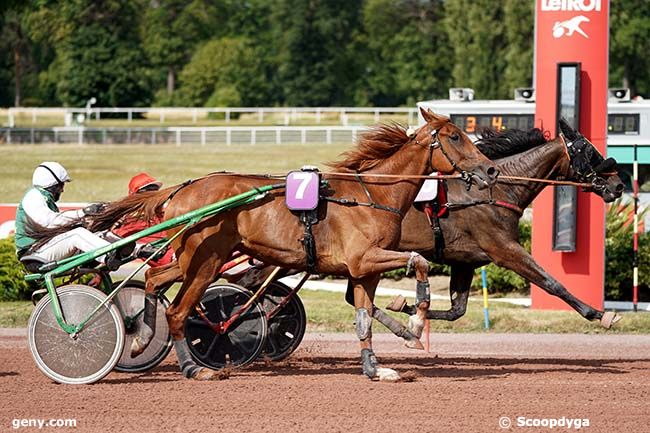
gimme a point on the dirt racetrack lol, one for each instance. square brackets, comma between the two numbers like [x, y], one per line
[467, 384]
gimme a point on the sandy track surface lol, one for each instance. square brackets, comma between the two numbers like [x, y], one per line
[466, 384]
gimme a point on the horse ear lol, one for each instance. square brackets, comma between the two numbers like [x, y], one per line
[430, 116]
[567, 129]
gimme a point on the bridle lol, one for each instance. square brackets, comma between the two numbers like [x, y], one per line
[436, 144]
[582, 166]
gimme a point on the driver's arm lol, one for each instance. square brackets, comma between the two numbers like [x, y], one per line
[35, 207]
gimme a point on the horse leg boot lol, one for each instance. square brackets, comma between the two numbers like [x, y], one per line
[146, 331]
[422, 293]
[363, 327]
[410, 340]
[156, 278]
[459, 285]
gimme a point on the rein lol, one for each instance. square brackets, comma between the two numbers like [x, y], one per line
[499, 203]
[547, 181]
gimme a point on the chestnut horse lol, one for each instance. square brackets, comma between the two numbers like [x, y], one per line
[478, 233]
[358, 242]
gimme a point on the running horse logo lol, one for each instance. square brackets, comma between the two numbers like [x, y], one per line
[570, 26]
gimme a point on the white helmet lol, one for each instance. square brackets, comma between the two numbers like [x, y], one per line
[49, 174]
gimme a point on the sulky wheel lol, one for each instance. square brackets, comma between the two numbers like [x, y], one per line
[86, 357]
[287, 326]
[244, 339]
[130, 302]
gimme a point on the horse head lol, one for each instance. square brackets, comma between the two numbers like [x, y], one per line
[589, 166]
[451, 150]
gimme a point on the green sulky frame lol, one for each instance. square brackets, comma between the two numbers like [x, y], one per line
[52, 270]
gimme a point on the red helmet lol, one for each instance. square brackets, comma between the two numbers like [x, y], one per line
[140, 181]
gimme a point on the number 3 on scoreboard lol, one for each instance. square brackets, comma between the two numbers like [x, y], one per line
[470, 127]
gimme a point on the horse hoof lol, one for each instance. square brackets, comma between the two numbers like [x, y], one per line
[387, 375]
[397, 304]
[609, 319]
[414, 344]
[204, 374]
[416, 325]
[136, 347]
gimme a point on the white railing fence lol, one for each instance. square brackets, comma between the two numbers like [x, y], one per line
[287, 115]
[235, 135]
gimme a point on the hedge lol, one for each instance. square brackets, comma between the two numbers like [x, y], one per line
[12, 285]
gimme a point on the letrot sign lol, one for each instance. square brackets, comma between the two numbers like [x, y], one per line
[575, 32]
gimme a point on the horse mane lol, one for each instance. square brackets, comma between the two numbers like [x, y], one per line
[374, 146]
[499, 144]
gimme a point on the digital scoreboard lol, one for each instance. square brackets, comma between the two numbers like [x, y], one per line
[471, 122]
[626, 124]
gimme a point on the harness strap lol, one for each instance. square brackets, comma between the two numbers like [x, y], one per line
[348, 202]
[176, 191]
[438, 236]
[372, 203]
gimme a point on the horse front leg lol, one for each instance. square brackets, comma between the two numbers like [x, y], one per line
[517, 259]
[410, 340]
[377, 260]
[364, 293]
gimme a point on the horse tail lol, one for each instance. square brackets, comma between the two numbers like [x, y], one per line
[146, 206]
[42, 235]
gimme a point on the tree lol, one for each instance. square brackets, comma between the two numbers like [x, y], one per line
[171, 30]
[476, 32]
[97, 52]
[403, 49]
[315, 65]
[519, 17]
[224, 71]
[629, 45]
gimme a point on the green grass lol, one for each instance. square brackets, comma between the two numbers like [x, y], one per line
[101, 173]
[15, 314]
[328, 312]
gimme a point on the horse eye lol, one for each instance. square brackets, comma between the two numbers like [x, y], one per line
[454, 136]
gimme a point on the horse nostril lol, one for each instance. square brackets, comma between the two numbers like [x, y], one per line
[620, 187]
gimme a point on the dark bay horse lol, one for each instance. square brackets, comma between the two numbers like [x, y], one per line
[479, 234]
[356, 242]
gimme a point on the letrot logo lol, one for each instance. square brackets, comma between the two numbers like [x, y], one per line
[568, 27]
[571, 5]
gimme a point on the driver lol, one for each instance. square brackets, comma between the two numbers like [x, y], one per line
[38, 211]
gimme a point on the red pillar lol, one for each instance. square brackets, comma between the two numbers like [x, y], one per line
[572, 31]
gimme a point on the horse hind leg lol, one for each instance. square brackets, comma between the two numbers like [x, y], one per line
[156, 279]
